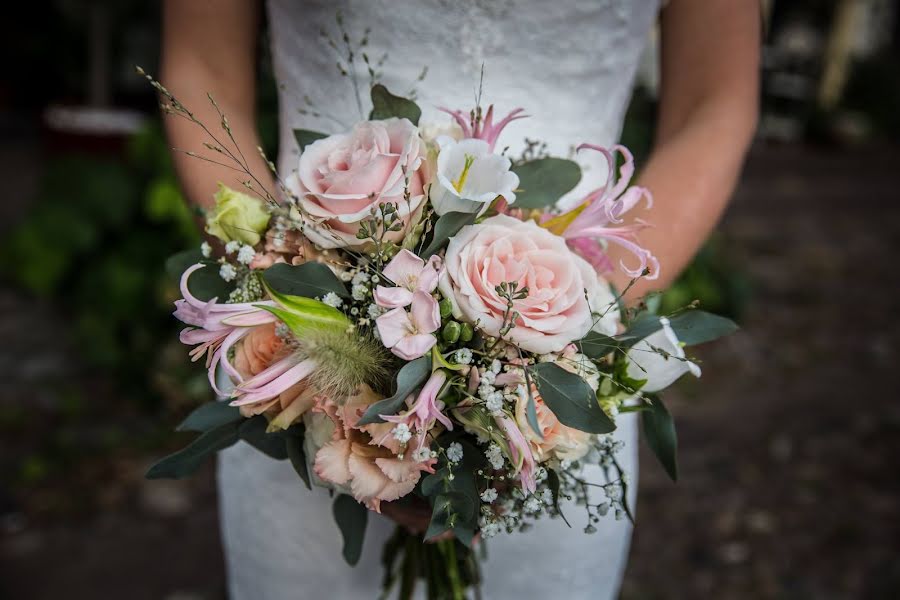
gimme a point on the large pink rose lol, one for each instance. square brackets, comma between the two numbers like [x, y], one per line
[342, 177]
[566, 297]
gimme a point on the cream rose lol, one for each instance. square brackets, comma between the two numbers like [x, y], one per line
[566, 297]
[342, 177]
[559, 441]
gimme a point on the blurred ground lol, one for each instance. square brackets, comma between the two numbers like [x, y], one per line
[787, 454]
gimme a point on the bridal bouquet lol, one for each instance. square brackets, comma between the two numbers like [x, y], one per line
[411, 319]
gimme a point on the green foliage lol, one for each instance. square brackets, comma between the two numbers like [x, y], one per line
[187, 460]
[385, 105]
[294, 446]
[445, 228]
[351, 518]
[203, 283]
[544, 181]
[210, 416]
[409, 379]
[453, 492]
[659, 431]
[570, 398]
[691, 326]
[305, 137]
[311, 280]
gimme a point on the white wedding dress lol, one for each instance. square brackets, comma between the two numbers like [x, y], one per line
[570, 64]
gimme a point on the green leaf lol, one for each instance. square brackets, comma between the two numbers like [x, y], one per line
[209, 416]
[570, 398]
[311, 280]
[597, 345]
[304, 315]
[659, 428]
[446, 227]
[305, 137]
[385, 105]
[531, 409]
[203, 283]
[544, 181]
[351, 518]
[294, 444]
[184, 462]
[409, 379]
[553, 484]
[451, 503]
[692, 327]
[253, 431]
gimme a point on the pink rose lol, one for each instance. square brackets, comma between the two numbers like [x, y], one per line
[560, 441]
[566, 297]
[342, 177]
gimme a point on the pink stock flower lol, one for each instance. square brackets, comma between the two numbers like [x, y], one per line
[485, 129]
[409, 334]
[374, 472]
[215, 328]
[409, 274]
[426, 410]
[601, 217]
[520, 453]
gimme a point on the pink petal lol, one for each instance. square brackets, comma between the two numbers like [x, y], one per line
[393, 326]
[426, 312]
[331, 462]
[412, 347]
[404, 268]
[392, 297]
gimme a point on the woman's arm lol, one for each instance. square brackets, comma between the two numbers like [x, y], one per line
[210, 47]
[707, 116]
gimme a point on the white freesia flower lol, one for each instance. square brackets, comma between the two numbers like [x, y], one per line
[469, 177]
[646, 362]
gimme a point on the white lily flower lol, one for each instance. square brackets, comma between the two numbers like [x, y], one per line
[469, 177]
[646, 362]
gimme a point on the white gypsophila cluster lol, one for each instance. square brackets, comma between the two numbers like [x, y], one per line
[493, 400]
[455, 452]
[490, 529]
[282, 330]
[359, 292]
[332, 299]
[532, 505]
[374, 311]
[463, 356]
[495, 456]
[246, 254]
[232, 247]
[205, 249]
[402, 433]
[248, 289]
[421, 454]
[227, 272]
[489, 495]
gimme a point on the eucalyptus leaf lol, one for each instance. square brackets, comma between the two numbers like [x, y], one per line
[351, 518]
[692, 327]
[445, 228]
[659, 429]
[293, 442]
[209, 416]
[310, 280]
[597, 345]
[570, 398]
[305, 137]
[184, 462]
[542, 182]
[531, 408]
[253, 431]
[409, 379]
[553, 484]
[386, 105]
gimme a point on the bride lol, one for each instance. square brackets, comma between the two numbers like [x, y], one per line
[570, 64]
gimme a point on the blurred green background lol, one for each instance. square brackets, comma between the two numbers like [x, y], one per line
[94, 377]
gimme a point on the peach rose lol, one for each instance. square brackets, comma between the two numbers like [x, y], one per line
[565, 297]
[560, 441]
[367, 460]
[342, 177]
[257, 351]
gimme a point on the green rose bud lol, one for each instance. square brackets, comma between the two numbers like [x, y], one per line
[466, 333]
[446, 308]
[237, 217]
[451, 331]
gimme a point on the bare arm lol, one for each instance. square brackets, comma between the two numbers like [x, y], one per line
[707, 116]
[210, 47]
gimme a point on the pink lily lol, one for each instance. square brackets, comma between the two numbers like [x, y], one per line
[485, 128]
[409, 334]
[426, 410]
[520, 452]
[600, 217]
[409, 273]
[271, 382]
[215, 328]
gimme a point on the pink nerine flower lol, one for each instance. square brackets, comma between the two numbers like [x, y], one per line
[484, 129]
[426, 410]
[520, 453]
[215, 328]
[409, 334]
[600, 217]
[374, 471]
[409, 274]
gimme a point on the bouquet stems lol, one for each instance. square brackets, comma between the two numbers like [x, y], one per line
[448, 568]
